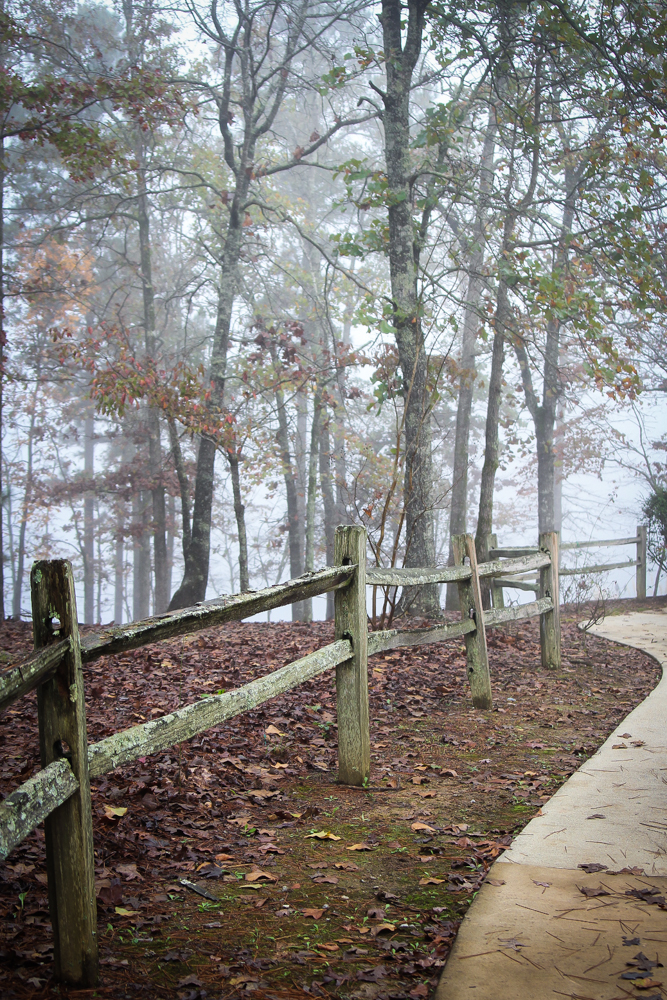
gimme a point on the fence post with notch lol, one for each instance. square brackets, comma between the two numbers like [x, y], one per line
[641, 562]
[550, 620]
[62, 733]
[470, 602]
[354, 752]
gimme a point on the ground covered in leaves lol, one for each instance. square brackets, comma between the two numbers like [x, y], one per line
[235, 864]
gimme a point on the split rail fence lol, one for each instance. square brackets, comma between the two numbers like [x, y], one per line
[59, 794]
[522, 583]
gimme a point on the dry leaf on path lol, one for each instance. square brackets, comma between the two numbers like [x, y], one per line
[422, 826]
[313, 912]
[256, 876]
[359, 847]
[272, 731]
[322, 835]
[431, 881]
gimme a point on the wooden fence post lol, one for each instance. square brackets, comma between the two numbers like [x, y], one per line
[641, 561]
[62, 733]
[470, 602]
[497, 596]
[354, 751]
[550, 620]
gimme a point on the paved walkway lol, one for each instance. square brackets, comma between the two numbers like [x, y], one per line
[543, 927]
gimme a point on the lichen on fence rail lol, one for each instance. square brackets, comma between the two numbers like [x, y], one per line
[395, 638]
[584, 570]
[496, 616]
[525, 564]
[151, 737]
[120, 638]
[391, 576]
[33, 801]
[26, 676]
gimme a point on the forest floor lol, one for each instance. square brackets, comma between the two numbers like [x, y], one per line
[234, 863]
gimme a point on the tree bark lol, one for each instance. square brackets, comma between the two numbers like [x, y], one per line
[89, 523]
[119, 569]
[239, 513]
[141, 576]
[328, 503]
[312, 494]
[400, 61]
[458, 512]
[153, 420]
[183, 485]
[492, 441]
[25, 508]
[544, 413]
[3, 347]
[295, 532]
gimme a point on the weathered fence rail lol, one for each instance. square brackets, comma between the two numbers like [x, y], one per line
[59, 794]
[509, 554]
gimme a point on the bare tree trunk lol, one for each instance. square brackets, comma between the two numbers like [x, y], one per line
[119, 569]
[239, 513]
[183, 484]
[301, 457]
[400, 61]
[544, 414]
[328, 504]
[492, 442]
[89, 522]
[459, 496]
[154, 446]
[25, 510]
[312, 494]
[171, 534]
[141, 577]
[294, 528]
[195, 576]
[3, 347]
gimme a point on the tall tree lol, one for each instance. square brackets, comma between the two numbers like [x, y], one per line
[402, 48]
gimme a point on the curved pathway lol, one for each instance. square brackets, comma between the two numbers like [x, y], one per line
[541, 926]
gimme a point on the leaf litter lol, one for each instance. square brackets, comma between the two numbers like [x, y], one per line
[184, 837]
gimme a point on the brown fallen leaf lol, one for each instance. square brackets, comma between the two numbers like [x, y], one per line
[449, 772]
[272, 731]
[322, 835]
[346, 866]
[619, 746]
[495, 881]
[359, 847]
[597, 816]
[313, 912]
[257, 875]
[422, 826]
[419, 779]
[382, 929]
[128, 871]
[328, 879]
[646, 984]
[589, 891]
[430, 880]
[329, 947]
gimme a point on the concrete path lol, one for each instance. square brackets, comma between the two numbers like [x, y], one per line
[541, 926]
